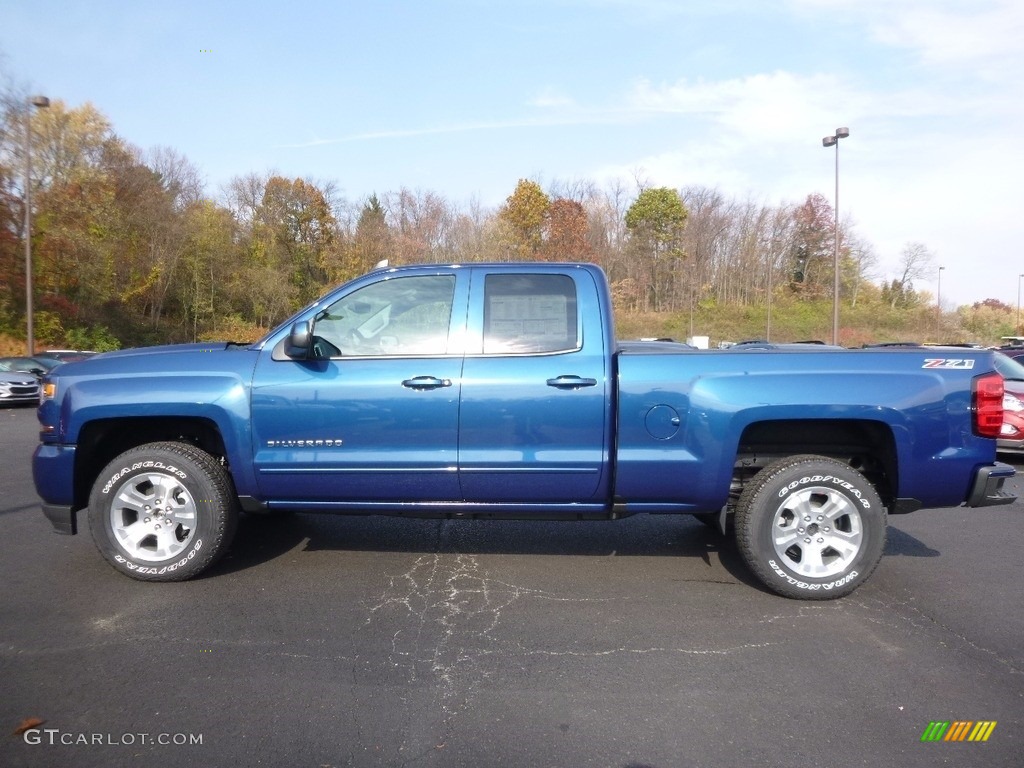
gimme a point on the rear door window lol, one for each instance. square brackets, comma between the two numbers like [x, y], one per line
[529, 314]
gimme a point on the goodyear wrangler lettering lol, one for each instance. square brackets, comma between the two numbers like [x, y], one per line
[153, 571]
[144, 465]
[845, 485]
[826, 586]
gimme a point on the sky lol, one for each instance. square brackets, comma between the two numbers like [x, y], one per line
[466, 97]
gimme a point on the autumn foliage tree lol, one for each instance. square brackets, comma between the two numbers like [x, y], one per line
[298, 228]
[812, 249]
[656, 221]
[524, 218]
[566, 234]
[371, 242]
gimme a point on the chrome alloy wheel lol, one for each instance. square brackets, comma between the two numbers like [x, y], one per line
[153, 517]
[817, 532]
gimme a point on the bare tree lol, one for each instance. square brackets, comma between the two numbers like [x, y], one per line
[424, 226]
[178, 176]
[915, 262]
[243, 196]
[860, 264]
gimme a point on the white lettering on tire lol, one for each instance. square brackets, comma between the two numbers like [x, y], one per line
[151, 571]
[823, 479]
[827, 586]
[143, 465]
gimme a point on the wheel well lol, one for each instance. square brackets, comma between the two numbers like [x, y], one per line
[101, 441]
[867, 446]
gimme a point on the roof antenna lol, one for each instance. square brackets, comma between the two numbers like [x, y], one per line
[381, 264]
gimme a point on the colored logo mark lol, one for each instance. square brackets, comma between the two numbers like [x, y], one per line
[958, 730]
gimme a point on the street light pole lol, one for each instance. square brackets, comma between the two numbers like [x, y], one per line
[833, 141]
[1016, 327]
[40, 102]
[938, 309]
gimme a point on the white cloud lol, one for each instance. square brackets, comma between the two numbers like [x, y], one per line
[983, 33]
[692, 165]
[551, 98]
[761, 107]
[978, 35]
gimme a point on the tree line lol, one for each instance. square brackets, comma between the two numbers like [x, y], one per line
[130, 248]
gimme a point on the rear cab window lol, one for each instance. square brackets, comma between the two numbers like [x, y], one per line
[530, 314]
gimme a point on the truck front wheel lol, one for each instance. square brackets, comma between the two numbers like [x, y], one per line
[810, 527]
[162, 512]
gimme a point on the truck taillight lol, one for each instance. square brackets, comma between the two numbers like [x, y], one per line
[987, 404]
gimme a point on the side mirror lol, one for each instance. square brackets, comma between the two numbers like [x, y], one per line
[299, 340]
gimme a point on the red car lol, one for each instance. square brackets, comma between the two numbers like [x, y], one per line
[1011, 439]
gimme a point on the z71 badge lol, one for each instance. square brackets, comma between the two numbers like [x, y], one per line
[943, 362]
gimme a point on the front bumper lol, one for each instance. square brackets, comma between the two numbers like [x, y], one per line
[53, 471]
[987, 490]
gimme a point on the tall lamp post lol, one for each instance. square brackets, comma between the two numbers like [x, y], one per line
[938, 309]
[39, 102]
[833, 141]
[1016, 327]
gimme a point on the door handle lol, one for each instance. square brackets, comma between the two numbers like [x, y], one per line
[571, 382]
[426, 382]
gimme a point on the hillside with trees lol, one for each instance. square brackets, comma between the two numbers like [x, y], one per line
[130, 248]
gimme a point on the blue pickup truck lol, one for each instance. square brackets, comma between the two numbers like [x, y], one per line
[499, 390]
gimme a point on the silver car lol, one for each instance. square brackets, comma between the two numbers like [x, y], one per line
[18, 387]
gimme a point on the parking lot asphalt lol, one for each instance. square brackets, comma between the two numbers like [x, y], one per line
[371, 641]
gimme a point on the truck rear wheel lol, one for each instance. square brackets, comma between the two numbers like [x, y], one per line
[163, 512]
[810, 527]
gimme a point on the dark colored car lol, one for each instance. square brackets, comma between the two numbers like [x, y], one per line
[1011, 438]
[68, 355]
[790, 346]
[37, 366]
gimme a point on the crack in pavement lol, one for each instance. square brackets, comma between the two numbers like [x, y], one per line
[907, 614]
[449, 608]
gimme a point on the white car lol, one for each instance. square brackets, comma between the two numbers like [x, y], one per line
[18, 387]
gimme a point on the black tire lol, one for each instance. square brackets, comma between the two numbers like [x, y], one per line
[163, 512]
[810, 527]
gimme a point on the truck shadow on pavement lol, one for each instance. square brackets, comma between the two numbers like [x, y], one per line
[902, 543]
[23, 508]
[260, 540]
